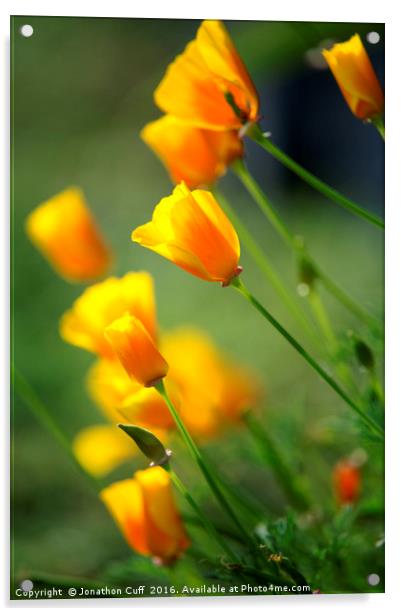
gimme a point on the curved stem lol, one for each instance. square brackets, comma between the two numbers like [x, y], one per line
[210, 529]
[254, 132]
[374, 427]
[290, 240]
[264, 264]
[204, 467]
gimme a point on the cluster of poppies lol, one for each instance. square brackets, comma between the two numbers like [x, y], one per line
[209, 101]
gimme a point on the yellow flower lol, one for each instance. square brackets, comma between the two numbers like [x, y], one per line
[64, 231]
[210, 390]
[123, 400]
[197, 83]
[147, 408]
[191, 230]
[100, 449]
[136, 350]
[109, 386]
[195, 155]
[356, 78]
[145, 511]
[99, 305]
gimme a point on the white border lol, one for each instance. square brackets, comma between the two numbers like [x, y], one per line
[307, 10]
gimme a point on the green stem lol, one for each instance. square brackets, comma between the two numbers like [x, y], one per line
[291, 241]
[322, 318]
[210, 529]
[264, 264]
[254, 132]
[43, 415]
[203, 466]
[239, 285]
[272, 455]
[347, 301]
[379, 124]
[263, 202]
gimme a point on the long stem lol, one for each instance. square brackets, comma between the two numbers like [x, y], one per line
[210, 529]
[255, 133]
[43, 415]
[265, 265]
[290, 240]
[321, 316]
[203, 466]
[273, 456]
[239, 285]
[263, 202]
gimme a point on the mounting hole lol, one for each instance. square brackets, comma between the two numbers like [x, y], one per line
[373, 579]
[373, 38]
[26, 30]
[26, 585]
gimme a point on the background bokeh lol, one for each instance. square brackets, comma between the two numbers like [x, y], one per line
[81, 91]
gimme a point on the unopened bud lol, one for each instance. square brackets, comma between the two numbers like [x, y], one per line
[148, 443]
[364, 354]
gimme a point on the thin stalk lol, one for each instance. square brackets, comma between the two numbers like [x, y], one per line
[208, 526]
[45, 418]
[272, 455]
[290, 240]
[323, 320]
[263, 202]
[265, 265]
[204, 467]
[254, 132]
[239, 286]
[342, 297]
[379, 124]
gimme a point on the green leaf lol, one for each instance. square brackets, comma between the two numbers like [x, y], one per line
[148, 443]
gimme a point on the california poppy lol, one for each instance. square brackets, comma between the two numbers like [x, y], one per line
[136, 350]
[100, 304]
[195, 155]
[191, 230]
[356, 78]
[65, 232]
[208, 85]
[145, 511]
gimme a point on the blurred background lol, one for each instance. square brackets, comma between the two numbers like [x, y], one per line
[81, 91]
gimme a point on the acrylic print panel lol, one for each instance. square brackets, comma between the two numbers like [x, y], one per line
[197, 308]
